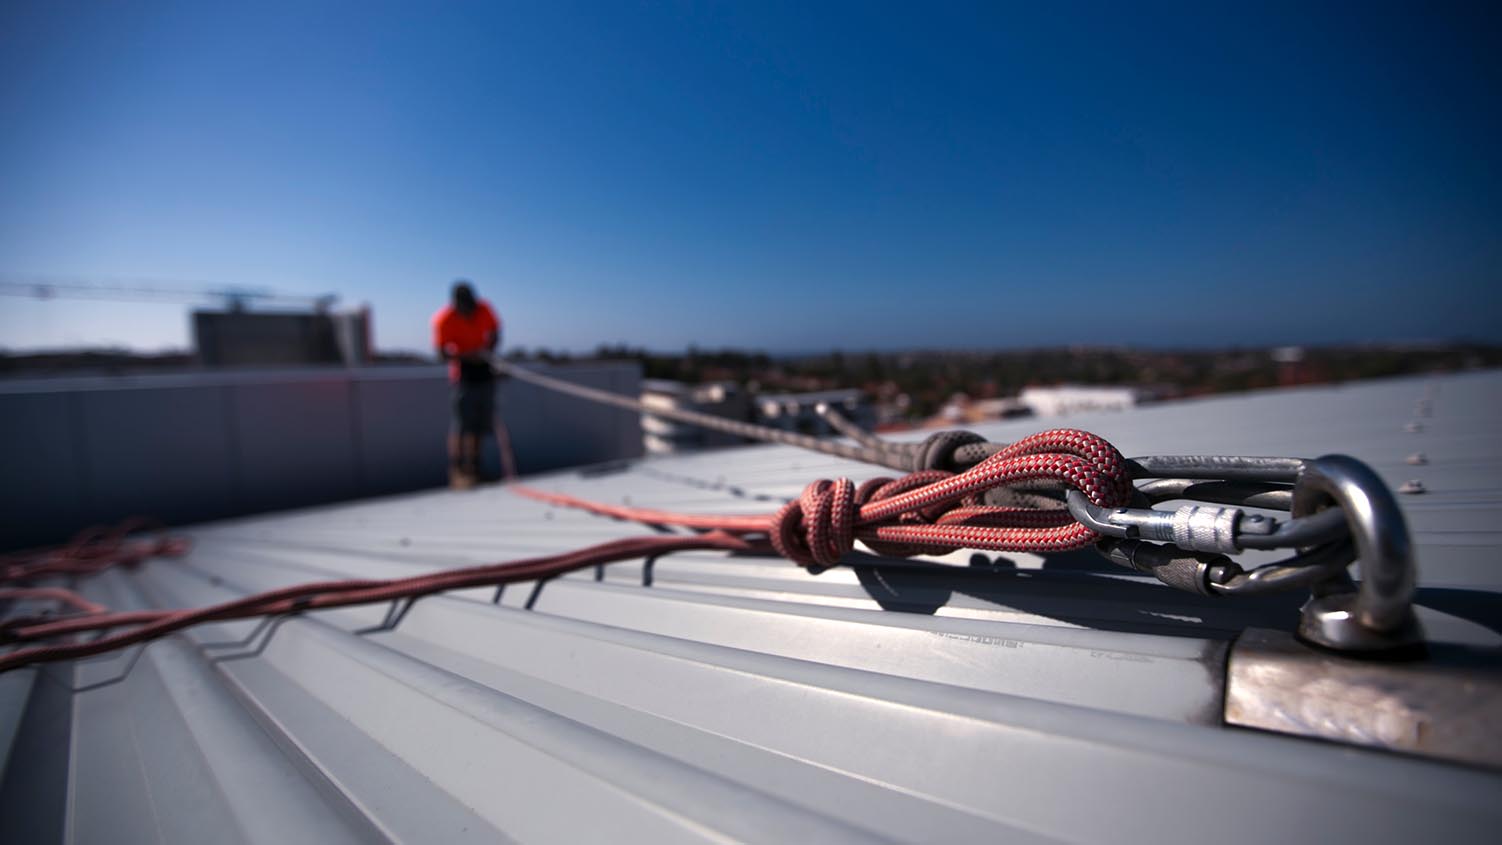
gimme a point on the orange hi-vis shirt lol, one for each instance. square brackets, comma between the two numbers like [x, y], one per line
[458, 334]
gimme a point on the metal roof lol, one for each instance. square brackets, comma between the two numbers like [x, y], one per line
[705, 697]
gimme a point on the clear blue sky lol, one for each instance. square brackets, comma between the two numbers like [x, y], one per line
[781, 176]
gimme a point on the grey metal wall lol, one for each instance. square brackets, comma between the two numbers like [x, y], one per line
[197, 446]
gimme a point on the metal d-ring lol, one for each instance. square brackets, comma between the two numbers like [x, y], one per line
[1378, 615]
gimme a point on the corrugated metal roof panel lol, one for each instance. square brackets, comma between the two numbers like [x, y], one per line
[701, 696]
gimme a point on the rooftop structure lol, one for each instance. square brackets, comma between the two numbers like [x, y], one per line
[205, 444]
[1077, 399]
[799, 411]
[241, 338]
[701, 696]
[661, 436]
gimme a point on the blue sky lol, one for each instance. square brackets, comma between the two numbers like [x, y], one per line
[770, 175]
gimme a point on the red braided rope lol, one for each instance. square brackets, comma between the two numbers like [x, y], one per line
[92, 550]
[152, 624]
[924, 512]
[928, 511]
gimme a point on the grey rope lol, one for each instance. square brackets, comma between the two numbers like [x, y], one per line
[898, 456]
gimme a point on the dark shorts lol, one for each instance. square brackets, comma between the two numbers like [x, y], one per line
[474, 407]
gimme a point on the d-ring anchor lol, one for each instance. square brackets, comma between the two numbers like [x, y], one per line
[1376, 617]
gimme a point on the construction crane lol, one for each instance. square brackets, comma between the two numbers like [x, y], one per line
[233, 297]
[302, 330]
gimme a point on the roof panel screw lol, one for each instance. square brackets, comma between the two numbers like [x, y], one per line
[1413, 485]
[1414, 427]
[1417, 459]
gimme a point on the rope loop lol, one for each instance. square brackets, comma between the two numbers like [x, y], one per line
[935, 512]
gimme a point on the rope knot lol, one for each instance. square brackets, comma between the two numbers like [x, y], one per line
[817, 528]
[934, 511]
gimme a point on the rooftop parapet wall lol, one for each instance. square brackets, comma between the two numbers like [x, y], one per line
[206, 445]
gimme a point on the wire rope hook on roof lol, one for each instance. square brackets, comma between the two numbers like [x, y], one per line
[1340, 511]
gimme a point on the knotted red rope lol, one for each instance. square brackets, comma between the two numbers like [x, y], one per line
[924, 512]
[936, 512]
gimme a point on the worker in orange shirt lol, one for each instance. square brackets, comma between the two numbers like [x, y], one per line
[466, 333]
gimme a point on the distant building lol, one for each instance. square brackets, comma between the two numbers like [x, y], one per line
[798, 411]
[1072, 399]
[1295, 367]
[787, 411]
[963, 410]
[662, 436]
[238, 338]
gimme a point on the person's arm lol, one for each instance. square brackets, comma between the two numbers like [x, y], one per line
[437, 341]
[492, 337]
[446, 351]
